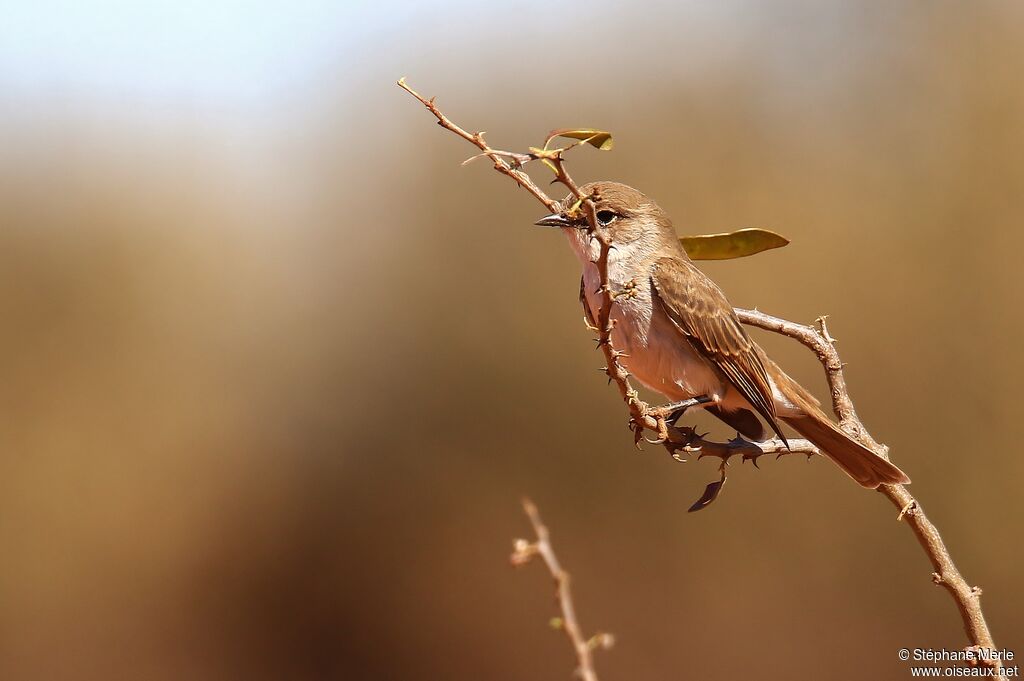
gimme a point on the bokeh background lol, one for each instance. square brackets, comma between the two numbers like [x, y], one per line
[277, 371]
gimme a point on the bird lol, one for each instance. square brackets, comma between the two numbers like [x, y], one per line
[681, 336]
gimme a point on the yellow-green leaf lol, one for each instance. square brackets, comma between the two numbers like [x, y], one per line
[727, 245]
[596, 138]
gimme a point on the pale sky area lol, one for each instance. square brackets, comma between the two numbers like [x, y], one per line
[180, 49]
[233, 50]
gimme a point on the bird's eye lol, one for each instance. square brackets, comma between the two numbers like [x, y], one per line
[606, 217]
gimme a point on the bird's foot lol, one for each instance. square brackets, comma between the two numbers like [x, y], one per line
[683, 442]
[674, 411]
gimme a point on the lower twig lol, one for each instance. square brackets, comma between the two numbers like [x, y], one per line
[523, 552]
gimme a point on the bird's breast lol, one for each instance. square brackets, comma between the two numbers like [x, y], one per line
[659, 356]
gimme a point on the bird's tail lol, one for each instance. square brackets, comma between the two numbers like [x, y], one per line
[859, 462]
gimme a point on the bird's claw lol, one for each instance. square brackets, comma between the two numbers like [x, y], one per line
[680, 440]
[662, 427]
[638, 432]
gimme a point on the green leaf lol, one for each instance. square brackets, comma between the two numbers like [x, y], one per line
[596, 138]
[728, 245]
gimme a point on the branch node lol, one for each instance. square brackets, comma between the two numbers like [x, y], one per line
[603, 640]
[522, 552]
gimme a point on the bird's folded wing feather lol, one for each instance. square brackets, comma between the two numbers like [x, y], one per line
[703, 315]
[587, 313]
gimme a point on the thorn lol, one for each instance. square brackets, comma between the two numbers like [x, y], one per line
[753, 458]
[907, 510]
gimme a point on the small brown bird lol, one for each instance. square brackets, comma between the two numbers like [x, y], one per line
[683, 337]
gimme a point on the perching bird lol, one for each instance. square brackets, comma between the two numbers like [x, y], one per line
[683, 338]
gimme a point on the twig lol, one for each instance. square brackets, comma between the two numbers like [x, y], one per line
[822, 344]
[477, 139]
[644, 418]
[523, 552]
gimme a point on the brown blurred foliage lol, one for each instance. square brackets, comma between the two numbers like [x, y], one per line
[272, 392]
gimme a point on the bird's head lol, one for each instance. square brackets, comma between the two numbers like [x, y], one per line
[633, 222]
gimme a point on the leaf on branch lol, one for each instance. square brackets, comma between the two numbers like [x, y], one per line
[595, 138]
[711, 493]
[728, 245]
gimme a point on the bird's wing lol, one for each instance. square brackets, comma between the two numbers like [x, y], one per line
[703, 315]
[587, 313]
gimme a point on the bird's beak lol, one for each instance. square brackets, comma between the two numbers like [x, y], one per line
[555, 220]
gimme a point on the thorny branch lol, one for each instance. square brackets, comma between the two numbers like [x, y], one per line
[967, 597]
[477, 139]
[643, 417]
[523, 552]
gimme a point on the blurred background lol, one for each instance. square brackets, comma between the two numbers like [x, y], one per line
[277, 370]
